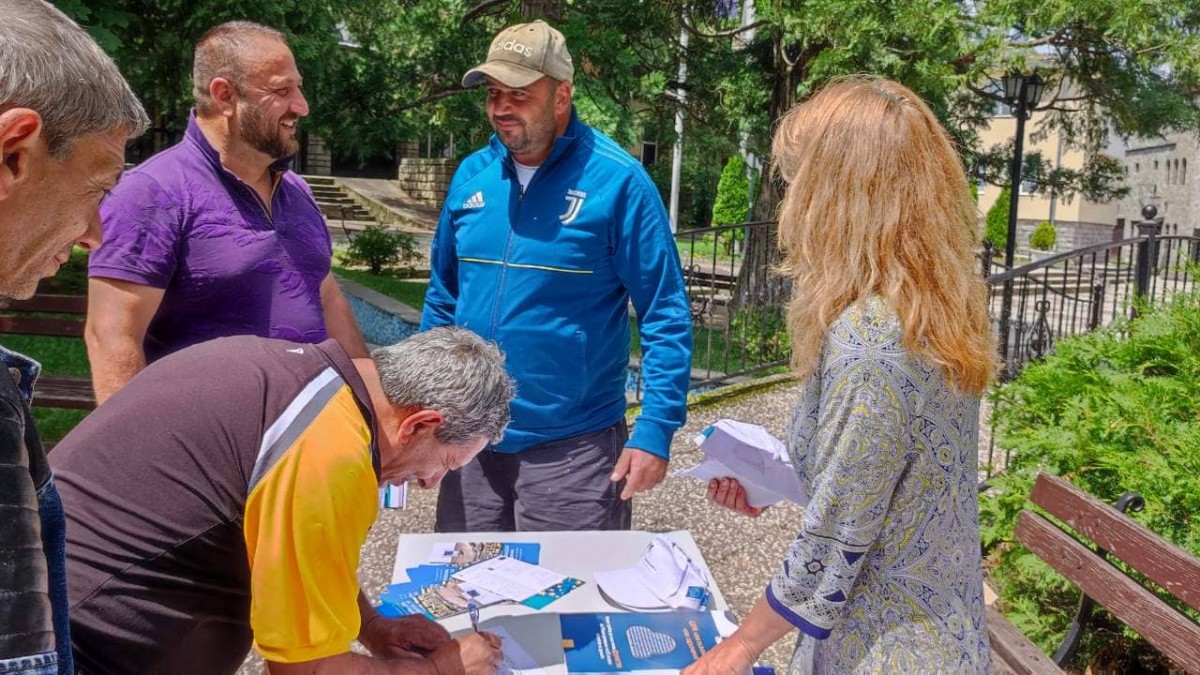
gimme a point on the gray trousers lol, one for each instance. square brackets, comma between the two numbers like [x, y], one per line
[557, 485]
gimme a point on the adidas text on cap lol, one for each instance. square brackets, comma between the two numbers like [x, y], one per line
[520, 55]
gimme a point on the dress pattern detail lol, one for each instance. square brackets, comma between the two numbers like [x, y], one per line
[885, 573]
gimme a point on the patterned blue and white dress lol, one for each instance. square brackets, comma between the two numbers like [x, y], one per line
[885, 573]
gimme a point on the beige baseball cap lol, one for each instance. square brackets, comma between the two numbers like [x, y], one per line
[522, 54]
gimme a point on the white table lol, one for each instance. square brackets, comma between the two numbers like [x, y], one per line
[576, 554]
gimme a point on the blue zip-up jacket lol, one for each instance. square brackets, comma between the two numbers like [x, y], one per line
[549, 275]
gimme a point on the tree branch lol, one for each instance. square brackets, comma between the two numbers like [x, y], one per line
[480, 10]
[436, 96]
[721, 33]
[1037, 42]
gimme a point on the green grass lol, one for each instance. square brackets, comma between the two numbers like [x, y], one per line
[58, 356]
[702, 249]
[711, 350]
[409, 291]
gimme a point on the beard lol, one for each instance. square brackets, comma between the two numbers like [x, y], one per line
[264, 135]
[532, 137]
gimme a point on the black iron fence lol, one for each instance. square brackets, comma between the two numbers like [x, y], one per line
[732, 338]
[1034, 306]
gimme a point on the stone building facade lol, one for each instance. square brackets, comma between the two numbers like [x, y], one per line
[1161, 171]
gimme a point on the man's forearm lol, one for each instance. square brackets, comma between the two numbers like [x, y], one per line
[114, 362]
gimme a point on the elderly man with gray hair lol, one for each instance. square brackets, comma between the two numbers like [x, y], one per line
[223, 495]
[65, 116]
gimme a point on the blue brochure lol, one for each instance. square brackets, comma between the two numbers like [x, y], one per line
[612, 643]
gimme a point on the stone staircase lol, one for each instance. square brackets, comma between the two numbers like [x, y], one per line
[339, 207]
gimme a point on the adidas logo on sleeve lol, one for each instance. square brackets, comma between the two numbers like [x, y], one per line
[474, 202]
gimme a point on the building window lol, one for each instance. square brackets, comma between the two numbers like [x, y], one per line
[649, 154]
[1183, 176]
[1137, 167]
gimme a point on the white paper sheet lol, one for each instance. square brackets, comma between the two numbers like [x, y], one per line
[509, 578]
[749, 453]
[517, 660]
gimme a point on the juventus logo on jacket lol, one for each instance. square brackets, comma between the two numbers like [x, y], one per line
[574, 201]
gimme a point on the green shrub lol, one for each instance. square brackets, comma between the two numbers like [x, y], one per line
[997, 221]
[1044, 237]
[759, 334]
[378, 248]
[733, 193]
[1111, 411]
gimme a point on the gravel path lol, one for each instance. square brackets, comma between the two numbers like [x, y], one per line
[742, 552]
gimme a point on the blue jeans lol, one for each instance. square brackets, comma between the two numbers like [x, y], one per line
[40, 664]
[54, 542]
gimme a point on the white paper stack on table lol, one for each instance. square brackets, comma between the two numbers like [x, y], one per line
[509, 578]
[749, 453]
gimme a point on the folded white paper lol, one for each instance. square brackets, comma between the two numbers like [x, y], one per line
[749, 453]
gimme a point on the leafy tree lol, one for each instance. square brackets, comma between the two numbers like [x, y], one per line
[733, 193]
[1121, 66]
[997, 220]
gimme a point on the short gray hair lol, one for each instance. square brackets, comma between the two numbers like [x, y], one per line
[455, 372]
[53, 67]
[221, 52]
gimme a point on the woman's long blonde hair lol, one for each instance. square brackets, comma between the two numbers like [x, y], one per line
[877, 203]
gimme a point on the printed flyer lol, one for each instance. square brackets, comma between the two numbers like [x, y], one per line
[613, 643]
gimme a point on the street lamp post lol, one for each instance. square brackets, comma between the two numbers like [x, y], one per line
[1022, 93]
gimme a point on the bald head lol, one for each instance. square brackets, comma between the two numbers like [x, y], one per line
[228, 51]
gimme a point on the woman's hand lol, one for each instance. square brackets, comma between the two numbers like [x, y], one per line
[731, 656]
[728, 492]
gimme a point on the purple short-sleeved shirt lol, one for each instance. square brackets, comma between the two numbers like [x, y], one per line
[183, 223]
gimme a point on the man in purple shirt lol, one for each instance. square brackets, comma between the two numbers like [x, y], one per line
[215, 236]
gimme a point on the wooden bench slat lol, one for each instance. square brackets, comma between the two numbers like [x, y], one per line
[1161, 561]
[39, 325]
[64, 392]
[1012, 652]
[65, 304]
[1164, 627]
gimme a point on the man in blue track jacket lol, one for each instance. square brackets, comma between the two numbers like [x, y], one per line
[544, 238]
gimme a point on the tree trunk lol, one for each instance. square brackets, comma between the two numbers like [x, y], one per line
[757, 286]
[541, 9]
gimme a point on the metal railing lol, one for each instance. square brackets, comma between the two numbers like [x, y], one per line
[1034, 306]
[732, 339]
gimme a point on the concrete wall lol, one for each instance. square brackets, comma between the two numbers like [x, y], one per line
[426, 180]
[318, 161]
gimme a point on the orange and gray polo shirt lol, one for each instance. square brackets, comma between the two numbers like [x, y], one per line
[222, 495]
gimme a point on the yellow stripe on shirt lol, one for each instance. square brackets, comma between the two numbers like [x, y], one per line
[305, 522]
[547, 268]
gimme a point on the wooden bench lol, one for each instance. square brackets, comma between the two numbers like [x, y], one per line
[1115, 537]
[29, 317]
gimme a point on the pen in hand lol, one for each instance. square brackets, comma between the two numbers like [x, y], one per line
[473, 613]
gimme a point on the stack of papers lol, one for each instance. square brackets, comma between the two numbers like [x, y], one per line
[483, 573]
[749, 453]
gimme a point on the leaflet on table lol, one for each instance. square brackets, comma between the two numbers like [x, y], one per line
[463, 553]
[441, 591]
[608, 643]
[509, 578]
[436, 601]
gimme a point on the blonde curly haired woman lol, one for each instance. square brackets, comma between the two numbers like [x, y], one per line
[888, 322]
